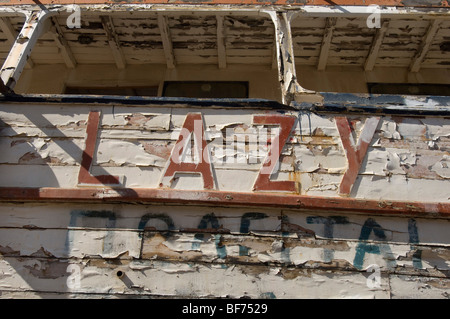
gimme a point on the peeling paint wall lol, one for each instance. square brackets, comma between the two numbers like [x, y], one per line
[346, 197]
[90, 250]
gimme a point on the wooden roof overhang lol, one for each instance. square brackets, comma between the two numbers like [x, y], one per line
[365, 105]
[281, 36]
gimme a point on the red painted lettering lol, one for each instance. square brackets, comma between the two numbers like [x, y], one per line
[193, 124]
[263, 182]
[84, 175]
[355, 152]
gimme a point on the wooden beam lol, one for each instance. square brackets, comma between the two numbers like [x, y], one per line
[326, 43]
[22, 47]
[425, 45]
[166, 40]
[221, 49]
[220, 198]
[274, 54]
[63, 45]
[113, 41]
[375, 47]
[11, 35]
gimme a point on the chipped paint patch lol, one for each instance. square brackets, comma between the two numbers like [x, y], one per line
[442, 168]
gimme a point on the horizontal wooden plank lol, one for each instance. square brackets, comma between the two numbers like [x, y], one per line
[156, 278]
[266, 222]
[381, 196]
[218, 247]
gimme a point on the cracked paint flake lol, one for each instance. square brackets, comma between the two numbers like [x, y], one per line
[442, 168]
[389, 130]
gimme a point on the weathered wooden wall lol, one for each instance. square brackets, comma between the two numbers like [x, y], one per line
[406, 159]
[118, 249]
[79, 250]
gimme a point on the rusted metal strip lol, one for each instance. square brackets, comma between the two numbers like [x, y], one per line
[218, 198]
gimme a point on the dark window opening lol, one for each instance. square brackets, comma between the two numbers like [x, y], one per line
[409, 89]
[126, 91]
[205, 89]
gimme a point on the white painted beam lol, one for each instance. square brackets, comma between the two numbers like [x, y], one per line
[221, 49]
[63, 45]
[113, 41]
[326, 43]
[290, 88]
[11, 35]
[166, 40]
[425, 45]
[375, 47]
[22, 47]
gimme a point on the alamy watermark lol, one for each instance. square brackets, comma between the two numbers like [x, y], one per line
[374, 18]
[252, 145]
[74, 279]
[374, 280]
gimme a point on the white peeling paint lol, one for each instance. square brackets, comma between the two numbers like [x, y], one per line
[442, 168]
